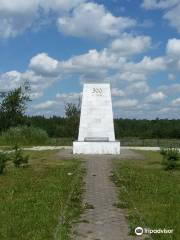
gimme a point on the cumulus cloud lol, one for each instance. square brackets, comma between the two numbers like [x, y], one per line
[57, 105]
[43, 64]
[126, 103]
[69, 97]
[170, 89]
[38, 83]
[45, 105]
[10, 80]
[155, 97]
[18, 15]
[129, 45]
[151, 64]
[135, 71]
[173, 16]
[129, 75]
[94, 21]
[137, 88]
[176, 102]
[171, 76]
[159, 4]
[93, 59]
[117, 92]
[74, 17]
[100, 62]
[173, 52]
[171, 10]
[94, 65]
[173, 48]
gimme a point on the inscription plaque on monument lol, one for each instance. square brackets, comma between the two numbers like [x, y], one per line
[96, 130]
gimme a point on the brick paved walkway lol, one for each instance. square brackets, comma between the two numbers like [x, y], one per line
[101, 219]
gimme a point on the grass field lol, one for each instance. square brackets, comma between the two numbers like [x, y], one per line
[124, 142]
[149, 194]
[41, 201]
[150, 142]
[31, 136]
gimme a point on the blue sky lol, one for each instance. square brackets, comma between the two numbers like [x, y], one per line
[58, 45]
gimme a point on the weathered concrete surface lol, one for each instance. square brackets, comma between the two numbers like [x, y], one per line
[96, 122]
[96, 119]
[96, 147]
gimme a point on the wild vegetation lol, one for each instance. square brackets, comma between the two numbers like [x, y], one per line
[159, 128]
[18, 128]
[41, 201]
[16, 156]
[171, 157]
[3, 160]
[149, 195]
[24, 135]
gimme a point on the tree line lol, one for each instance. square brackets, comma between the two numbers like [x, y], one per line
[12, 114]
[65, 127]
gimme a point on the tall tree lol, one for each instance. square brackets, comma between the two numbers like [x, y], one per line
[12, 108]
[72, 113]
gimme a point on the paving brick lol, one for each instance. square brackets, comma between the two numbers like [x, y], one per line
[104, 221]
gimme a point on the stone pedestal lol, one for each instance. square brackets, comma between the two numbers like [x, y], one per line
[96, 147]
[96, 130]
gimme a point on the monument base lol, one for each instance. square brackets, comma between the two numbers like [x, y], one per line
[96, 147]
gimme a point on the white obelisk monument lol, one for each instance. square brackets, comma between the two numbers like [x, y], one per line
[96, 130]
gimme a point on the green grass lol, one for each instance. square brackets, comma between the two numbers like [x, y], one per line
[150, 142]
[40, 202]
[30, 136]
[149, 194]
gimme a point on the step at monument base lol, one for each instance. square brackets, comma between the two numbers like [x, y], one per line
[96, 147]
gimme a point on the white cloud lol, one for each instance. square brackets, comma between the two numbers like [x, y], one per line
[129, 76]
[60, 5]
[173, 48]
[129, 45]
[126, 103]
[92, 59]
[170, 89]
[152, 65]
[171, 76]
[43, 64]
[45, 105]
[159, 4]
[69, 97]
[38, 83]
[58, 103]
[171, 10]
[137, 88]
[174, 17]
[107, 59]
[155, 97]
[10, 80]
[176, 102]
[18, 15]
[94, 65]
[173, 52]
[117, 92]
[94, 21]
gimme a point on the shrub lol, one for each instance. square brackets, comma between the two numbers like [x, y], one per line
[24, 136]
[3, 160]
[18, 158]
[171, 157]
